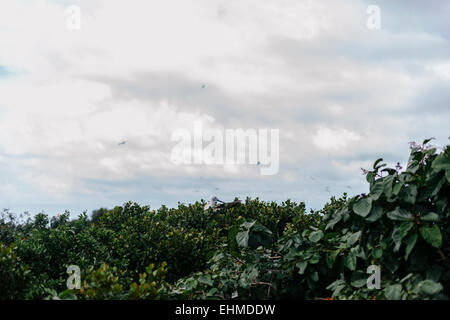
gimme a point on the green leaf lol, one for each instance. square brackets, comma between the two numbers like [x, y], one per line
[375, 214]
[350, 262]
[337, 287]
[400, 215]
[409, 194]
[431, 216]
[447, 174]
[331, 258]
[375, 165]
[397, 188]
[191, 284]
[205, 279]
[334, 220]
[351, 240]
[393, 292]
[432, 235]
[387, 184]
[376, 190]
[248, 225]
[301, 266]
[442, 161]
[363, 206]
[370, 175]
[314, 276]
[359, 279]
[410, 243]
[434, 273]
[400, 232]
[242, 238]
[377, 253]
[314, 259]
[429, 287]
[316, 236]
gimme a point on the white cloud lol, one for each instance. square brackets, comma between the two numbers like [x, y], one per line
[329, 139]
[310, 69]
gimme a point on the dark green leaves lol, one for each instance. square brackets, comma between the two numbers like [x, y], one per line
[442, 162]
[409, 194]
[410, 243]
[376, 190]
[242, 238]
[350, 261]
[205, 279]
[254, 235]
[316, 236]
[336, 218]
[363, 206]
[432, 235]
[400, 232]
[400, 215]
[377, 253]
[393, 292]
[431, 217]
[359, 279]
[387, 185]
[301, 266]
[353, 238]
[429, 287]
[375, 214]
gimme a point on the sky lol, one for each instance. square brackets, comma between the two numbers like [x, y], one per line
[340, 93]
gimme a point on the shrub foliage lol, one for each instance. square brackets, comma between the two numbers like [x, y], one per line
[257, 250]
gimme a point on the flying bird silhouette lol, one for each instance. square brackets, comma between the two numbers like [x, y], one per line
[122, 143]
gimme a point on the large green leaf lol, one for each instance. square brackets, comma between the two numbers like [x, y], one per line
[442, 161]
[375, 214]
[397, 188]
[429, 287]
[336, 218]
[350, 262]
[359, 279]
[205, 279]
[430, 216]
[387, 185]
[242, 238]
[400, 232]
[410, 243]
[409, 194]
[376, 190]
[316, 236]
[351, 240]
[363, 206]
[400, 215]
[393, 292]
[301, 266]
[377, 253]
[432, 235]
[331, 258]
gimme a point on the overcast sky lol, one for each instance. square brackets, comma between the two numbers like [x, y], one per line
[341, 95]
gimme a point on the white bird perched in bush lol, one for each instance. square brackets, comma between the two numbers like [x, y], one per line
[216, 204]
[213, 203]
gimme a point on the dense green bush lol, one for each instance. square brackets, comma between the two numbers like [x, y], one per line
[256, 250]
